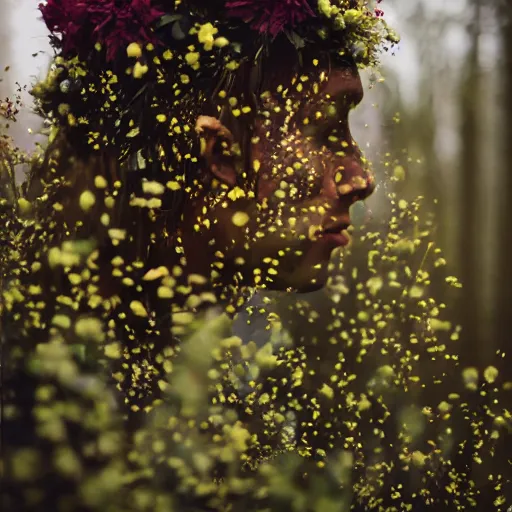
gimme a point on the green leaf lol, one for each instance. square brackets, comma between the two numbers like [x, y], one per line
[168, 18]
[295, 39]
[177, 31]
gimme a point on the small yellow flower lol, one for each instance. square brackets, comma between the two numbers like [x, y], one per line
[139, 70]
[205, 35]
[220, 42]
[240, 219]
[192, 59]
[134, 50]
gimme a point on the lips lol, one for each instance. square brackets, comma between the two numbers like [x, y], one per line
[336, 234]
[336, 239]
[335, 227]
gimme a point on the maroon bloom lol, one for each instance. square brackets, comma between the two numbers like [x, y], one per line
[270, 16]
[113, 23]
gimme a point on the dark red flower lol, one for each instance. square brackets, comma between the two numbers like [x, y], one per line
[272, 16]
[113, 23]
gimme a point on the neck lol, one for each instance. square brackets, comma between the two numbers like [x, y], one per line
[200, 278]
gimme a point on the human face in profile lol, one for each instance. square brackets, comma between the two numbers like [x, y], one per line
[307, 171]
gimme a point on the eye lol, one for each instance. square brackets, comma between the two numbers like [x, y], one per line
[334, 136]
[332, 123]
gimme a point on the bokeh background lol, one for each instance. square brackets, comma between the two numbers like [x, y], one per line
[440, 108]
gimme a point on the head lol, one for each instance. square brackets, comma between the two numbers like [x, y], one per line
[276, 214]
[228, 152]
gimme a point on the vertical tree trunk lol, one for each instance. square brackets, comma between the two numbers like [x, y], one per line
[4, 194]
[4, 47]
[503, 276]
[7, 182]
[469, 313]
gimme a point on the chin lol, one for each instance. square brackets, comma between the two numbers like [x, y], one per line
[310, 288]
[304, 279]
[289, 287]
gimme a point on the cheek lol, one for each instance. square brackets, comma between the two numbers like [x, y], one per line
[285, 228]
[290, 162]
[292, 175]
[266, 187]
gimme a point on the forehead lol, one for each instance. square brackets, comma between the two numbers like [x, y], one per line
[315, 79]
[344, 81]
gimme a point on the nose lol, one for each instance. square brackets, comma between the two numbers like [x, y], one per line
[351, 181]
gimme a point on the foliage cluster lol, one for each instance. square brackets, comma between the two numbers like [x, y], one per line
[352, 401]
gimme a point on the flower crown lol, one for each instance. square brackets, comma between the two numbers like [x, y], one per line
[116, 60]
[79, 25]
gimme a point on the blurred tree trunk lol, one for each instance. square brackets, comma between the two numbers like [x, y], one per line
[3, 93]
[503, 286]
[6, 168]
[4, 47]
[469, 313]
[6, 163]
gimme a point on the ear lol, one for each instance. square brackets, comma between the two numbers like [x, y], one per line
[216, 145]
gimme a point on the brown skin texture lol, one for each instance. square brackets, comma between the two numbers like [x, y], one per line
[319, 178]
